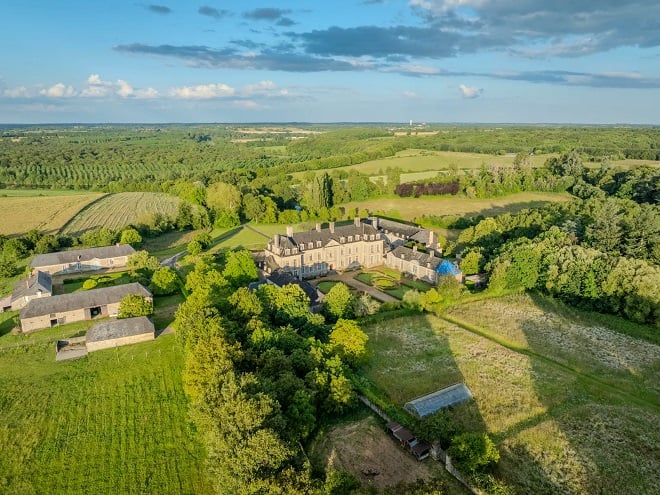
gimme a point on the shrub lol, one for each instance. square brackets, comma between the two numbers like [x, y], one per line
[473, 452]
[90, 283]
[135, 305]
[164, 281]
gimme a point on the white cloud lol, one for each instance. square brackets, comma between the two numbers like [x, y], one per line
[59, 90]
[124, 89]
[470, 91]
[202, 91]
[20, 92]
[98, 88]
[147, 93]
[410, 94]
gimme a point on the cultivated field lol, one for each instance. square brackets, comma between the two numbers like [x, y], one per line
[47, 211]
[118, 210]
[114, 422]
[409, 208]
[573, 407]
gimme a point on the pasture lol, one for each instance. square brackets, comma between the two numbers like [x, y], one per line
[47, 211]
[114, 422]
[571, 402]
[410, 208]
[119, 210]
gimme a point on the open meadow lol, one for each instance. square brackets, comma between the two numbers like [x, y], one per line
[410, 208]
[46, 210]
[572, 403]
[118, 210]
[113, 422]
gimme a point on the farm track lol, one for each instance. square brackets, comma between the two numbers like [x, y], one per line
[590, 379]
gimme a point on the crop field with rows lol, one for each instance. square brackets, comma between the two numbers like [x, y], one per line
[118, 210]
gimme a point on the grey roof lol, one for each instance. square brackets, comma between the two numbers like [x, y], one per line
[83, 255]
[424, 259]
[79, 300]
[116, 329]
[428, 404]
[403, 229]
[282, 278]
[325, 236]
[41, 281]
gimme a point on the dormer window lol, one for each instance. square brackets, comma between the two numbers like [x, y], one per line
[371, 237]
[318, 243]
[357, 237]
[287, 252]
[295, 250]
[302, 247]
[310, 245]
[342, 239]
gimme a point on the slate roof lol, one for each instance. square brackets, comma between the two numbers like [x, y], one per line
[282, 278]
[79, 300]
[403, 229]
[117, 329]
[41, 281]
[64, 257]
[424, 259]
[325, 236]
[431, 403]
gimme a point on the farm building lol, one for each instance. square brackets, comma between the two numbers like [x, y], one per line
[81, 260]
[79, 306]
[40, 284]
[407, 439]
[397, 234]
[115, 333]
[431, 403]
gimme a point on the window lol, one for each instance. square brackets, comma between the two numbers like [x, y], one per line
[350, 238]
[295, 250]
[318, 243]
[310, 245]
[342, 239]
[302, 247]
[318, 256]
[311, 257]
[357, 237]
[287, 252]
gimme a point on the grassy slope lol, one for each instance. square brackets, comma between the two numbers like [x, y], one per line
[115, 422]
[573, 408]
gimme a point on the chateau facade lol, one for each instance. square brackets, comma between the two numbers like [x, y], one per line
[314, 253]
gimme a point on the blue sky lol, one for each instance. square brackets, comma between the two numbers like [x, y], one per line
[526, 61]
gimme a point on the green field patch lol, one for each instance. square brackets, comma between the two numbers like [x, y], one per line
[555, 408]
[114, 422]
[106, 280]
[325, 285]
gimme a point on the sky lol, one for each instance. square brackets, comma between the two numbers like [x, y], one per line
[472, 61]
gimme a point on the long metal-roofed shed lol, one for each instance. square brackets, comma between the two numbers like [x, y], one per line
[431, 403]
[114, 333]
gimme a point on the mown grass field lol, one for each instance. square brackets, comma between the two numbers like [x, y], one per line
[118, 210]
[114, 422]
[409, 208]
[572, 403]
[46, 211]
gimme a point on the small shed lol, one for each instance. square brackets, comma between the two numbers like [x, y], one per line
[431, 403]
[114, 333]
[447, 268]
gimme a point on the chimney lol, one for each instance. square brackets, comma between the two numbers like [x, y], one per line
[374, 222]
[332, 227]
[356, 221]
[318, 227]
[289, 231]
[431, 239]
[276, 241]
[415, 248]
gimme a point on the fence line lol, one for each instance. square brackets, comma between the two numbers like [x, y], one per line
[437, 452]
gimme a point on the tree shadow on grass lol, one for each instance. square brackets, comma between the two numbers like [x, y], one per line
[8, 322]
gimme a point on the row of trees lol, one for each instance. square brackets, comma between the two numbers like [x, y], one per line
[261, 376]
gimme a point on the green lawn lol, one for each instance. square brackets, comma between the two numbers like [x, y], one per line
[105, 280]
[572, 404]
[114, 422]
[325, 285]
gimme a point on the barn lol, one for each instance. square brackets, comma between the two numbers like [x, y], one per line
[115, 333]
[51, 311]
[80, 260]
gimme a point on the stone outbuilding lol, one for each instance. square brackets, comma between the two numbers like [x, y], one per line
[39, 284]
[81, 260]
[115, 333]
[78, 306]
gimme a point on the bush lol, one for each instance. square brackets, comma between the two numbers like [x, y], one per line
[90, 283]
[473, 452]
[164, 281]
[135, 305]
